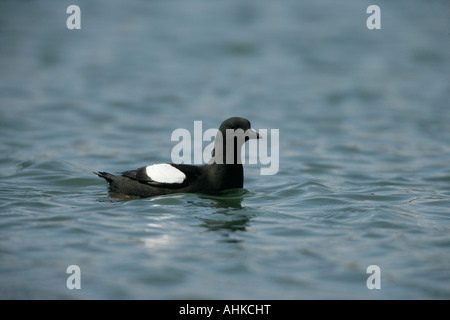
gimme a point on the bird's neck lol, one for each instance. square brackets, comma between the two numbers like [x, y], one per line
[226, 164]
[228, 152]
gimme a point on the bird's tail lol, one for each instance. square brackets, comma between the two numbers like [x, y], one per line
[105, 175]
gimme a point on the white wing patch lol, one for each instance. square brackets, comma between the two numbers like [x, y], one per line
[165, 173]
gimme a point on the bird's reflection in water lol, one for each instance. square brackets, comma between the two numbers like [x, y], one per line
[229, 215]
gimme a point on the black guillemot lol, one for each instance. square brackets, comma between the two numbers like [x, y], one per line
[223, 171]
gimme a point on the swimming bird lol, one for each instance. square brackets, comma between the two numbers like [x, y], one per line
[223, 171]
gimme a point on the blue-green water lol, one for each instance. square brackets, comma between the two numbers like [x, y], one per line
[364, 177]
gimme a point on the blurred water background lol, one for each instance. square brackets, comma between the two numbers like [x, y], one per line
[364, 122]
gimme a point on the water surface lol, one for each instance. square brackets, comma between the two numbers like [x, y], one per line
[364, 173]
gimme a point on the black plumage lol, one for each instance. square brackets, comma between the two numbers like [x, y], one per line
[220, 173]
